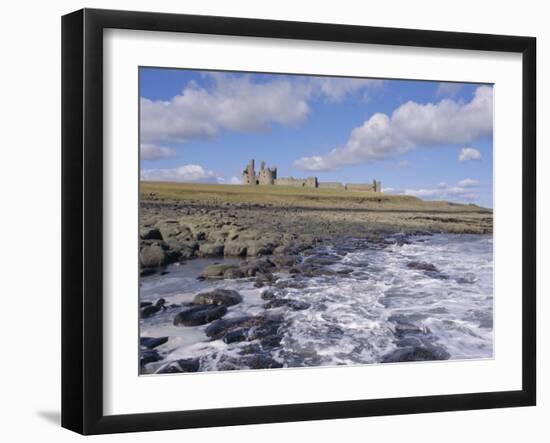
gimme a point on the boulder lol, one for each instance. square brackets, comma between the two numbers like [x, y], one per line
[219, 328]
[234, 249]
[417, 353]
[152, 256]
[211, 250]
[169, 228]
[199, 315]
[150, 234]
[218, 297]
[185, 249]
[217, 270]
[149, 311]
[235, 336]
[152, 342]
[148, 356]
[268, 294]
[263, 328]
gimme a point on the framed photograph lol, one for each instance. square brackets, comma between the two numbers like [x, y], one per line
[268, 221]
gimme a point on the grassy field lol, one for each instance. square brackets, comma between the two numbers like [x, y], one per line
[283, 196]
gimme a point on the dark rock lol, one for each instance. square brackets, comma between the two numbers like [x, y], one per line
[225, 297]
[152, 342]
[271, 341]
[294, 283]
[268, 294]
[295, 305]
[417, 353]
[149, 311]
[219, 328]
[199, 315]
[262, 361]
[147, 271]
[150, 234]
[344, 271]
[182, 365]
[322, 260]
[258, 266]
[422, 266]
[235, 336]
[265, 329]
[148, 356]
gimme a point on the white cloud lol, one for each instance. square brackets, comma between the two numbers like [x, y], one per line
[463, 191]
[335, 89]
[468, 183]
[149, 151]
[469, 154]
[184, 173]
[234, 103]
[235, 181]
[411, 125]
[238, 103]
[448, 89]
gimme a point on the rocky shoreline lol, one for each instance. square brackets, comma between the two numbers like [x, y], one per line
[276, 250]
[174, 231]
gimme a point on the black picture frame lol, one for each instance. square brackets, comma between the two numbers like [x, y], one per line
[82, 218]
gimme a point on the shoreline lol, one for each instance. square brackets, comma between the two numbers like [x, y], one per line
[173, 231]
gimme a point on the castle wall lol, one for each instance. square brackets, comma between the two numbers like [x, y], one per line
[268, 176]
[360, 187]
[310, 182]
[331, 185]
[375, 186]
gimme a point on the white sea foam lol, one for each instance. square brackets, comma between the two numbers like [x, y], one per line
[354, 318]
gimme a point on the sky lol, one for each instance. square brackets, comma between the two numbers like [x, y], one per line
[428, 139]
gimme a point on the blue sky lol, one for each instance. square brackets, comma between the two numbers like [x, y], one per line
[423, 138]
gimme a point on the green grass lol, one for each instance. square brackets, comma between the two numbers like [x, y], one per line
[288, 196]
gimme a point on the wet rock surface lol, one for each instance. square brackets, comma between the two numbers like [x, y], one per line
[179, 366]
[199, 315]
[223, 297]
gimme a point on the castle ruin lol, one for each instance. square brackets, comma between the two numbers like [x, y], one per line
[268, 176]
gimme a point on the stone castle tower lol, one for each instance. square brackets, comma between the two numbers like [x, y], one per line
[266, 176]
[249, 174]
